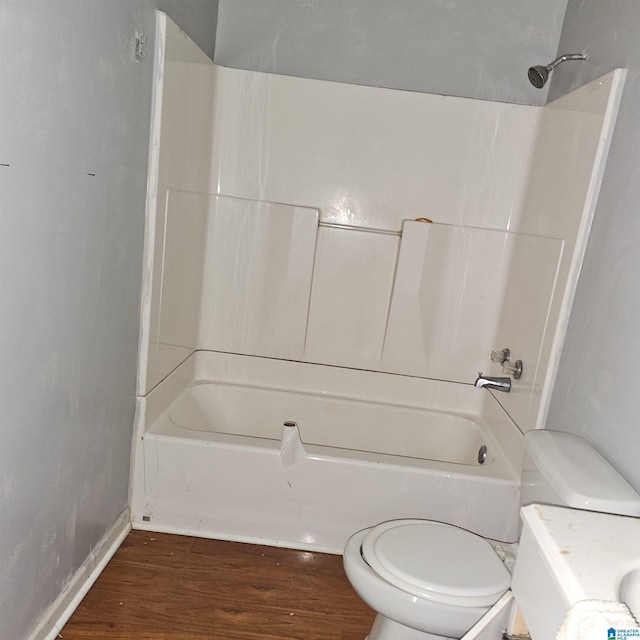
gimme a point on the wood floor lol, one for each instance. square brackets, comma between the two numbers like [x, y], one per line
[167, 587]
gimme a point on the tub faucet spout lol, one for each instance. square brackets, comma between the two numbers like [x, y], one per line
[499, 384]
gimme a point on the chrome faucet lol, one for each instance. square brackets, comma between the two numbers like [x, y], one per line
[499, 384]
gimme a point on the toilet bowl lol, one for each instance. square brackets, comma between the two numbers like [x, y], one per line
[427, 580]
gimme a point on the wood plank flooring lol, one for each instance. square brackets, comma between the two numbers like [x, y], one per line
[167, 587]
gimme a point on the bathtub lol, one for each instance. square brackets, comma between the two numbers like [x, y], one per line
[302, 455]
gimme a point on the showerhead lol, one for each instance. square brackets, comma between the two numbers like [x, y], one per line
[539, 75]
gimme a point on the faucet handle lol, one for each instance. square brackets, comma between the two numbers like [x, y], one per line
[513, 369]
[501, 356]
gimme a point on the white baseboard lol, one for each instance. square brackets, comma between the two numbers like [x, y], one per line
[222, 535]
[57, 615]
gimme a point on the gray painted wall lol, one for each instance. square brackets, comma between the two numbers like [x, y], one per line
[196, 17]
[451, 47]
[73, 103]
[597, 393]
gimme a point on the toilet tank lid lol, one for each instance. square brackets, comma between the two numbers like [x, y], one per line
[579, 474]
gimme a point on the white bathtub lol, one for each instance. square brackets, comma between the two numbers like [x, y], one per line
[302, 455]
[323, 420]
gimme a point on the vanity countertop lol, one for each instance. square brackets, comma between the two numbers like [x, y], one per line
[568, 555]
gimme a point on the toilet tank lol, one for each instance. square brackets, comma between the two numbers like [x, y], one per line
[563, 469]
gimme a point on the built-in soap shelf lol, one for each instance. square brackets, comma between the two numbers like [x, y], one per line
[273, 279]
[351, 227]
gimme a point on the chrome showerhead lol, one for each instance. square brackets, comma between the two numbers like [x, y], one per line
[539, 74]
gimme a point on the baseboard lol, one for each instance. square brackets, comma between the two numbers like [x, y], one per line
[57, 615]
[221, 535]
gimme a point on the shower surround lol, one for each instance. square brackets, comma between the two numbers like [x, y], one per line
[313, 246]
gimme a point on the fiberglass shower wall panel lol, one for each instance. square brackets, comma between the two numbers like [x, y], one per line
[350, 297]
[526, 307]
[446, 300]
[257, 277]
[179, 258]
[179, 162]
[367, 156]
[187, 126]
[569, 159]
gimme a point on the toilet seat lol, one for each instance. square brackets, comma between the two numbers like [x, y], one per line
[436, 561]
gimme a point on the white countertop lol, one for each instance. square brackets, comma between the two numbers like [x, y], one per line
[569, 555]
[588, 552]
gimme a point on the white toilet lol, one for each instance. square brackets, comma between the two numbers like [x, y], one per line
[433, 581]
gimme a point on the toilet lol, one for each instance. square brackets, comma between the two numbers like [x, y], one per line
[429, 580]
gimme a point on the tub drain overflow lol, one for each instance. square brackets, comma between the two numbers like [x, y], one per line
[291, 447]
[482, 454]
